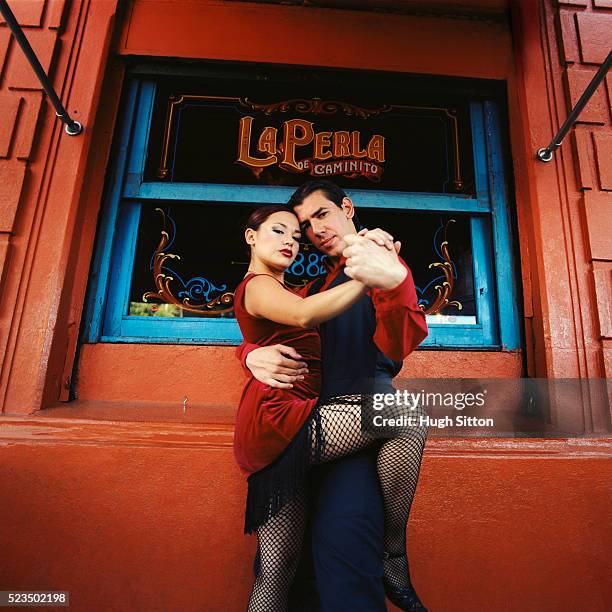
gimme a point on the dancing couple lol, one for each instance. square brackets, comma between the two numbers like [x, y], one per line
[316, 355]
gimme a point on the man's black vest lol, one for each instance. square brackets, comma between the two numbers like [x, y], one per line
[350, 361]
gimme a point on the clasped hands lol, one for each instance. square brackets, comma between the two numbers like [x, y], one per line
[372, 258]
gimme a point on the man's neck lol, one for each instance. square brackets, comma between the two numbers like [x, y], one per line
[333, 263]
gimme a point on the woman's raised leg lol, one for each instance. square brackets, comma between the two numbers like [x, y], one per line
[398, 464]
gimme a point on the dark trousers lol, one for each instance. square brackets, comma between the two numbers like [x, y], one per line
[341, 566]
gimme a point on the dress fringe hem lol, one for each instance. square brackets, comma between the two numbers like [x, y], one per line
[272, 487]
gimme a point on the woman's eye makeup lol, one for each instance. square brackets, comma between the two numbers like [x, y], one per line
[278, 230]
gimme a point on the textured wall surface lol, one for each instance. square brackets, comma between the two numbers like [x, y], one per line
[21, 103]
[141, 516]
[585, 30]
[41, 179]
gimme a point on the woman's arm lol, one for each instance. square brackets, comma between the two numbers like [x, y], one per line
[265, 297]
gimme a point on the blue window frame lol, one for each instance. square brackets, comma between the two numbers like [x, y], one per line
[107, 318]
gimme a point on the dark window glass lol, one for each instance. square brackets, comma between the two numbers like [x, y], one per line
[437, 248]
[393, 135]
[191, 256]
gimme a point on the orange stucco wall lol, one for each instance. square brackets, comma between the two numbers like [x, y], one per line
[122, 492]
[150, 516]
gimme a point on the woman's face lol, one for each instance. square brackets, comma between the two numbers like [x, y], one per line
[277, 241]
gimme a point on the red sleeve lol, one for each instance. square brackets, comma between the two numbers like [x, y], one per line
[303, 291]
[242, 353]
[400, 323]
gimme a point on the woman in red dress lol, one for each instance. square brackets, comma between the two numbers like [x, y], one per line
[280, 433]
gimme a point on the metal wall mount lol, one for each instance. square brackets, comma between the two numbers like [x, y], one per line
[71, 127]
[546, 154]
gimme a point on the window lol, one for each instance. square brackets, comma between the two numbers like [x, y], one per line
[421, 158]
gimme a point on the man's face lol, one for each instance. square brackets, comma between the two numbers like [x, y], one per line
[324, 223]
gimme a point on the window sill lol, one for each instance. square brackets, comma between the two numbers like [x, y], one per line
[123, 424]
[207, 426]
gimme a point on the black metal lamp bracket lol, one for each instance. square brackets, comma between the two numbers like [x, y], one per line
[72, 127]
[546, 154]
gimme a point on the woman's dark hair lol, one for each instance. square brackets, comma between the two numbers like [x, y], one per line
[260, 214]
[331, 191]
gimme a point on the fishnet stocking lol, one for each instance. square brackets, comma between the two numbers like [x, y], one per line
[398, 466]
[280, 544]
[336, 433]
[399, 462]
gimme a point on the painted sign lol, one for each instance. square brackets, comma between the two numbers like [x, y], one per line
[333, 153]
[235, 140]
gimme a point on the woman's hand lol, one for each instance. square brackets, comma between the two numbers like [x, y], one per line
[278, 365]
[381, 238]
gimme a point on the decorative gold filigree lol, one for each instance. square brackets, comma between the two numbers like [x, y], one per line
[221, 304]
[173, 102]
[444, 290]
[315, 106]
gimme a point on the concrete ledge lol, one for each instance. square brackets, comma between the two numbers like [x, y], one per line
[168, 425]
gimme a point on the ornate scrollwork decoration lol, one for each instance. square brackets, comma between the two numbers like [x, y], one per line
[444, 289]
[315, 106]
[197, 288]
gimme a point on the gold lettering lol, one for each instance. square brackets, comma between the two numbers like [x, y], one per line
[376, 148]
[291, 140]
[267, 140]
[322, 140]
[355, 149]
[244, 146]
[342, 144]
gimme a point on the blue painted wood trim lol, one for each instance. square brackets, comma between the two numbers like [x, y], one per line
[124, 250]
[207, 341]
[99, 280]
[479, 153]
[484, 281]
[267, 194]
[138, 150]
[227, 332]
[156, 329]
[122, 267]
[505, 267]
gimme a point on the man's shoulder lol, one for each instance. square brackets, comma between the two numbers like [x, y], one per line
[316, 285]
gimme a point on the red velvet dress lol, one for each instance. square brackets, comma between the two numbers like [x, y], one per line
[269, 418]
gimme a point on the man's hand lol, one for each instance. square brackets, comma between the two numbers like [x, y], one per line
[277, 365]
[372, 264]
[382, 238]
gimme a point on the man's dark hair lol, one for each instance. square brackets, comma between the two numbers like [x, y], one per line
[331, 191]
